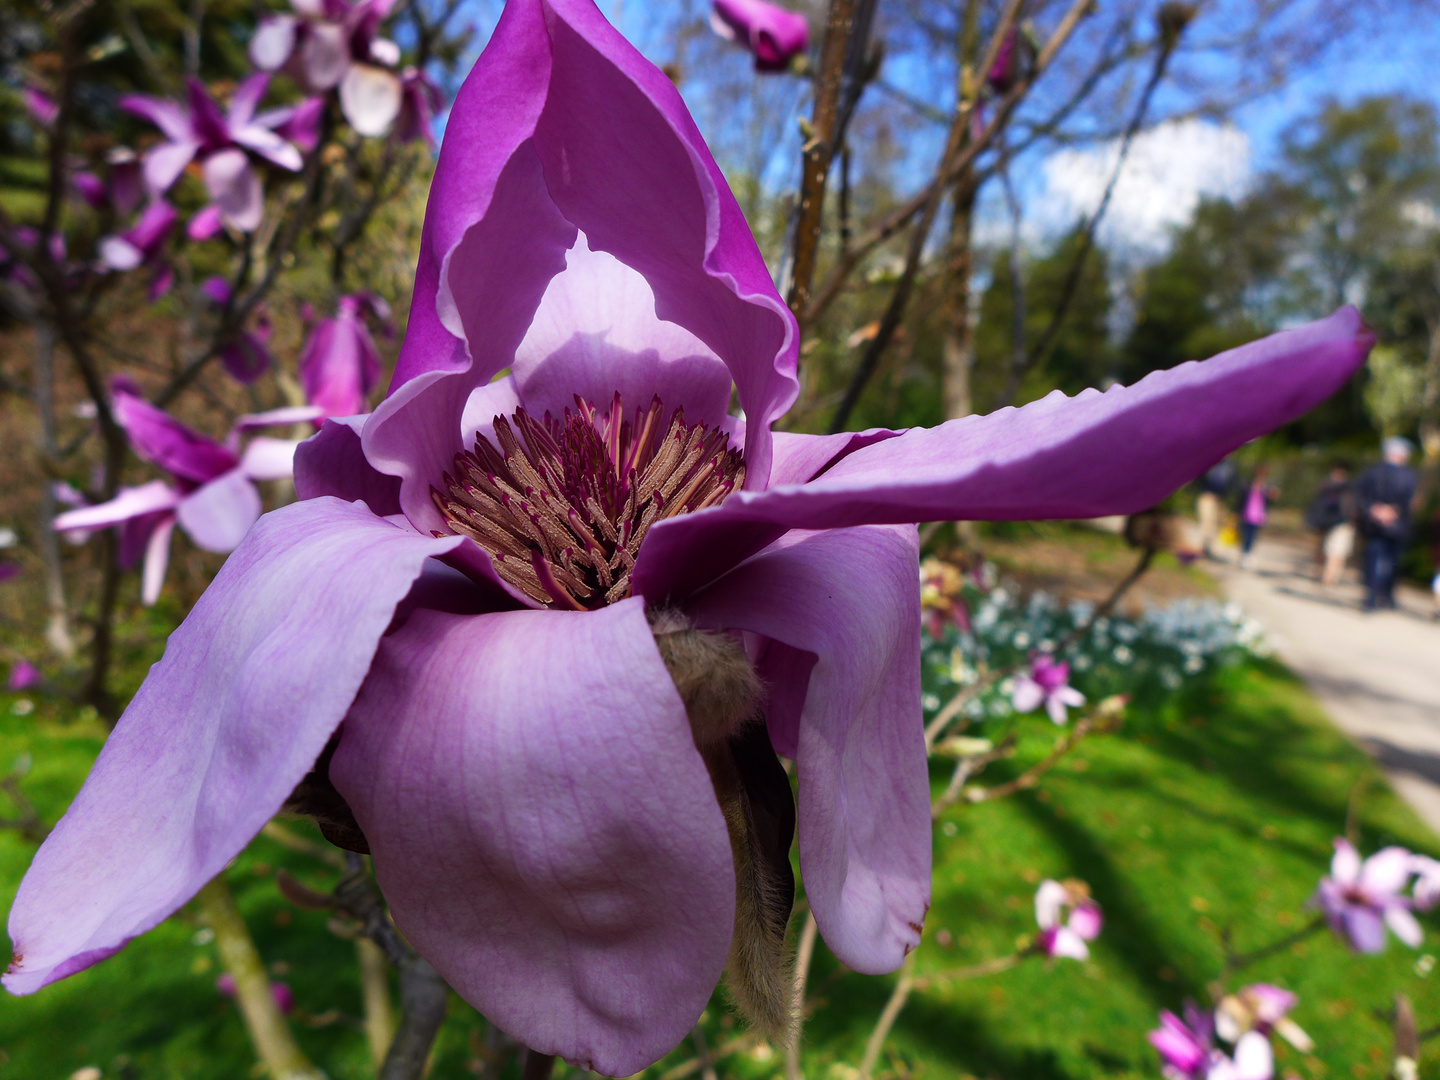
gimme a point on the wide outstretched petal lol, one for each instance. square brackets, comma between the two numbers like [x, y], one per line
[1364, 928]
[1385, 873]
[165, 162]
[217, 515]
[130, 503]
[370, 98]
[169, 116]
[543, 827]
[249, 690]
[596, 333]
[1404, 925]
[1095, 454]
[332, 462]
[273, 41]
[850, 598]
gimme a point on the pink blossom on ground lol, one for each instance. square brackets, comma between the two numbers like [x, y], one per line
[1067, 918]
[1360, 900]
[1048, 684]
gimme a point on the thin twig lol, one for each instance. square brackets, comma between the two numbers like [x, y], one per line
[973, 971]
[898, 996]
[692, 1065]
[1235, 962]
[804, 955]
[702, 1054]
[1104, 719]
[967, 767]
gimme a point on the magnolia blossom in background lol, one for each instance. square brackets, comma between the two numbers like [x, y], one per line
[122, 188]
[1360, 900]
[1260, 1007]
[1061, 935]
[223, 143]
[336, 43]
[246, 357]
[211, 493]
[1012, 62]
[419, 102]
[942, 600]
[23, 675]
[142, 245]
[549, 606]
[1188, 1052]
[772, 34]
[1048, 684]
[283, 995]
[1426, 890]
[340, 364]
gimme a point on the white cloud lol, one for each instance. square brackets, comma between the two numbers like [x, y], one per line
[1168, 170]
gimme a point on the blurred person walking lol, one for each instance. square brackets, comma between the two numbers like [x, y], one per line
[1253, 506]
[1331, 515]
[1215, 488]
[1383, 495]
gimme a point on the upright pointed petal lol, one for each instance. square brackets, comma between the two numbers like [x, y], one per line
[564, 862]
[249, 690]
[247, 99]
[1095, 454]
[1050, 900]
[596, 333]
[236, 189]
[851, 598]
[169, 116]
[1345, 863]
[217, 515]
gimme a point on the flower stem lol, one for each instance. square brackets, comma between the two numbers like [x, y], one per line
[1235, 962]
[264, 1023]
[538, 1066]
[888, 1016]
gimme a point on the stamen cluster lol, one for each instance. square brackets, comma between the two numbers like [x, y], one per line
[562, 505]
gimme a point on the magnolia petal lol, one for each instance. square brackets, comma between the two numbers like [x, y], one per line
[1404, 925]
[595, 333]
[160, 438]
[1385, 873]
[269, 145]
[208, 221]
[120, 254]
[157, 558]
[1028, 695]
[324, 55]
[1345, 863]
[332, 462]
[1050, 901]
[1364, 928]
[339, 366]
[564, 864]
[1055, 709]
[164, 164]
[284, 416]
[130, 503]
[236, 189]
[1095, 454]
[269, 459]
[1067, 943]
[1254, 1059]
[168, 116]
[246, 99]
[273, 42]
[217, 515]
[370, 98]
[1176, 1043]
[249, 690]
[1087, 920]
[851, 598]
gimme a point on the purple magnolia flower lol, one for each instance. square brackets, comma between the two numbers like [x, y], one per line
[211, 494]
[340, 364]
[773, 35]
[1187, 1048]
[1048, 684]
[247, 357]
[1012, 62]
[222, 141]
[498, 584]
[121, 190]
[1062, 936]
[1361, 899]
[330, 43]
[23, 675]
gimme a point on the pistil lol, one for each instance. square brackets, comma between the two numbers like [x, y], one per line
[563, 505]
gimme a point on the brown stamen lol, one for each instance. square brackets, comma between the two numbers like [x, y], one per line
[563, 505]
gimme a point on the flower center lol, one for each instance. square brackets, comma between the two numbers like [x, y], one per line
[562, 506]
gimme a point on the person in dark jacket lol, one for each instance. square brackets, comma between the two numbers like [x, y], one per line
[1331, 516]
[1383, 496]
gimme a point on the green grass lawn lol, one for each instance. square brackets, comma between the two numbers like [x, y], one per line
[1213, 808]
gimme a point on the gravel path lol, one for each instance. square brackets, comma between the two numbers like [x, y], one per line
[1378, 675]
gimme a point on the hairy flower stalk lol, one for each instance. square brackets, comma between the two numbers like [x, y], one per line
[563, 507]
